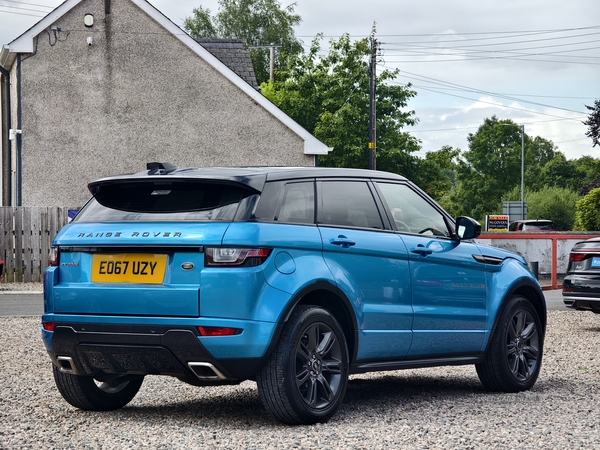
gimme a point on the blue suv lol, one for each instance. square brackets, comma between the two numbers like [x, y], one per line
[292, 277]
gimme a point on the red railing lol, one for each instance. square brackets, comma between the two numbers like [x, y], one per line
[554, 237]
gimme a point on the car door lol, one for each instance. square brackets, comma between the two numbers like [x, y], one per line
[370, 265]
[449, 289]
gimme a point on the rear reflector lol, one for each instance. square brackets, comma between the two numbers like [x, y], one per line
[218, 331]
[48, 326]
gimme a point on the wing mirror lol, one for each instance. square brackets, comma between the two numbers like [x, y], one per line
[467, 228]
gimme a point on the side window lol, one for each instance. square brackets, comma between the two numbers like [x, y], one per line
[411, 213]
[348, 204]
[287, 203]
[298, 204]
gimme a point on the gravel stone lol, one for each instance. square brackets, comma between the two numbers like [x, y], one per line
[437, 408]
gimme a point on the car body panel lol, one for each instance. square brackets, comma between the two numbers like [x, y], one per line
[373, 273]
[449, 295]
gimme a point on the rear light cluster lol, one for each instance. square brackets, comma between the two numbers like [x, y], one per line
[235, 256]
[53, 257]
[580, 254]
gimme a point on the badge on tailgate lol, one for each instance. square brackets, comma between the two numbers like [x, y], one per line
[147, 268]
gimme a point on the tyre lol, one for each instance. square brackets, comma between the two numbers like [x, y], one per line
[86, 393]
[305, 379]
[514, 356]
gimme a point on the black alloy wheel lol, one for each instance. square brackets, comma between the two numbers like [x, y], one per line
[305, 379]
[514, 355]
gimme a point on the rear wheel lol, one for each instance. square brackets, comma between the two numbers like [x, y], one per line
[514, 356]
[305, 379]
[86, 393]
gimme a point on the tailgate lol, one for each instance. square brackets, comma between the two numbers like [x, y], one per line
[143, 276]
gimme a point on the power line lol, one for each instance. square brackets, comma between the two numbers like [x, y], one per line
[517, 32]
[24, 9]
[479, 91]
[503, 106]
[20, 13]
[30, 4]
[504, 43]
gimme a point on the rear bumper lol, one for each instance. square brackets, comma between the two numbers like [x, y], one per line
[95, 349]
[582, 303]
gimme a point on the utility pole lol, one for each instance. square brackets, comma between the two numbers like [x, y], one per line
[272, 63]
[373, 106]
[271, 48]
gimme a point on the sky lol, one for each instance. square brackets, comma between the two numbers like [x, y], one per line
[536, 62]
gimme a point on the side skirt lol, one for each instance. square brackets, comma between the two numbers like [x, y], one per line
[380, 366]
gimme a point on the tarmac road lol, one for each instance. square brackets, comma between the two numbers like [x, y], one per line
[32, 304]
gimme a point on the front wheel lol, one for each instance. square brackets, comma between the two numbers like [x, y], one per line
[88, 394]
[305, 379]
[514, 356]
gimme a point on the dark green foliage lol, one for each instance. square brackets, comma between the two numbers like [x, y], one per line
[593, 123]
[258, 22]
[329, 96]
[587, 214]
[553, 203]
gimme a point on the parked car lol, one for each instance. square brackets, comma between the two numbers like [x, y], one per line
[292, 277]
[532, 225]
[581, 286]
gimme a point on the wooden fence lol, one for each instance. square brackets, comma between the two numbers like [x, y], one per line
[25, 239]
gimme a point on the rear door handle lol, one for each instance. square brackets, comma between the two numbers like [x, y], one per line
[342, 241]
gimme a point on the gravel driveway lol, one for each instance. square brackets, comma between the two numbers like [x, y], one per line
[421, 409]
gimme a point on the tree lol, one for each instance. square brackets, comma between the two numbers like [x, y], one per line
[593, 123]
[587, 212]
[258, 22]
[562, 173]
[437, 171]
[328, 95]
[490, 167]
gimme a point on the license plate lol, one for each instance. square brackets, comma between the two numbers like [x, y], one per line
[595, 262]
[129, 268]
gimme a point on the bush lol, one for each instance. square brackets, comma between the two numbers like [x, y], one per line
[553, 203]
[587, 213]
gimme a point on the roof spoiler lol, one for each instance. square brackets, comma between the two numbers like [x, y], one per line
[160, 168]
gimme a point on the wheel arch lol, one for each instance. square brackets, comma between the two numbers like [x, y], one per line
[329, 297]
[531, 291]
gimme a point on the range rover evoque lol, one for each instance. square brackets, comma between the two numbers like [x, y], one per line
[292, 277]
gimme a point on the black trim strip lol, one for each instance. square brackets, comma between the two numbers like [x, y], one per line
[491, 260]
[364, 367]
[132, 249]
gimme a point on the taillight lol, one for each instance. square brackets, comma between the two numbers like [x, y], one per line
[235, 256]
[218, 331]
[53, 257]
[576, 257]
[48, 326]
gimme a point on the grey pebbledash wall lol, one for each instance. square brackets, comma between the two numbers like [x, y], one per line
[137, 94]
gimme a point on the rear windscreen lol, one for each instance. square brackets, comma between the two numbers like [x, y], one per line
[164, 201]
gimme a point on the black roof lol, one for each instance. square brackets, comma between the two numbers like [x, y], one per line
[254, 177]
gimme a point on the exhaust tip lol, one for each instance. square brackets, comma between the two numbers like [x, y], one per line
[65, 365]
[206, 371]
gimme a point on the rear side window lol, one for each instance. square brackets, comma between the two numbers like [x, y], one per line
[187, 200]
[292, 202]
